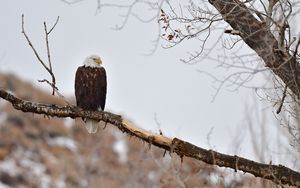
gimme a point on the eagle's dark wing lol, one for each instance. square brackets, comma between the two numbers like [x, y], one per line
[102, 85]
[90, 88]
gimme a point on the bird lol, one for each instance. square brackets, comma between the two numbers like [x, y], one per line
[90, 88]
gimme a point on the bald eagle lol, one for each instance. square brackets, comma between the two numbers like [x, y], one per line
[90, 88]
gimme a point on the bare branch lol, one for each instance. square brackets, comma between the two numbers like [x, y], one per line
[258, 37]
[277, 173]
[71, 1]
[31, 45]
[296, 48]
[127, 9]
[48, 69]
[282, 100]
[56, 90]
[47, 33]
[54, 25]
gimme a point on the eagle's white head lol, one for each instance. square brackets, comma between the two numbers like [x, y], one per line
[93, 61]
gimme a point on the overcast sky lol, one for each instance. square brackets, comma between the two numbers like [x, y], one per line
[139, 86]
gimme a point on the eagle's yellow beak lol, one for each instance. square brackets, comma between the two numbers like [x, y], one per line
[98, 61]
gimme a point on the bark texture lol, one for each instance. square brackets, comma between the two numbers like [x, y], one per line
[277, 173]
[257, 35]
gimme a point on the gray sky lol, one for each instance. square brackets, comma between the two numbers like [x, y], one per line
[138, 86]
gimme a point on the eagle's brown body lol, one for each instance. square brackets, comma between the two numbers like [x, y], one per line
[90, 88]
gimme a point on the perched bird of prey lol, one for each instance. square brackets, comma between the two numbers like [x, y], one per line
[90, 88]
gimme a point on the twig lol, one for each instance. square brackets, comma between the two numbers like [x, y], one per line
[282, 99]
[49, 69]
[54, 25]
[277, 173]
[260, 39]
[56, 90]
[47, 33]
[158, 124]
[31, 45]
[71, 2]
[51, 84]
[296, 48]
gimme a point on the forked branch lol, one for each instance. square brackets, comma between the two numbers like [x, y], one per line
[277, 173]
[257, 35]
[49, 67]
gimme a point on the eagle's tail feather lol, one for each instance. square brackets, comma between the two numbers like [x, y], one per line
[91, 125]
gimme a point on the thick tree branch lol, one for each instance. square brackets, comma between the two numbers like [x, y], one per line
[277, 173]
[257, 35]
